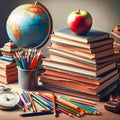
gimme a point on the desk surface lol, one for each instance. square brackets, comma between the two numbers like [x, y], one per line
[14, 114]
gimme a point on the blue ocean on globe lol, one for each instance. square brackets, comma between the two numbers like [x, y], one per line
[28, 26]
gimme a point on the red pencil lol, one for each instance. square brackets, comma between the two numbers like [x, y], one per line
[36, 60]
[65, 111]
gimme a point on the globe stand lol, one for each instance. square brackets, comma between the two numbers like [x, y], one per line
[50, 23]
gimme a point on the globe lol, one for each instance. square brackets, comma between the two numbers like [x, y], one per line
[29, 25]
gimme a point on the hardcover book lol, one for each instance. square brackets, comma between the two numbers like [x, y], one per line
[79, 53]
[75, 93]
[7, 64]
[77, 69]
[87, 50]
[9, 79]
[82, 59]
[91, 36]
[77, 85]
[62, 74]
[63, 59]
[65, 41]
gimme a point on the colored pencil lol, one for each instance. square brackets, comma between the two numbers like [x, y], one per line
[23, 100]
[35, 60]
[36, 113]
[39, 103]
[31, 100]
[54, 105]
[68, 113]
[83, 102]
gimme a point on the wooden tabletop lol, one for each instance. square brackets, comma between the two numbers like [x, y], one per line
[15, 114]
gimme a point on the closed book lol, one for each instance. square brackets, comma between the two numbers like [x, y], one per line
[73, 68]
[91, 36]
[9, 79]
[8, 71]
[60, 74]
[91, 45]
[7, 64]
[78, 53]
[9, 59]
[115, 36]
[64, 59]
[87, 50]
[7, 54]
[10, 47]
[75, 93]
[80, 58]
[77, 85]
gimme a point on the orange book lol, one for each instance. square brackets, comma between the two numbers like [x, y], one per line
[65, 41]
[9, 79]
[77, 85]
[62, 59]
[70, 92]
[81, 49]
[58, 74]
[77, 69]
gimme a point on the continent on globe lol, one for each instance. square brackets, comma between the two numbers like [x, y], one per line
[29, 25]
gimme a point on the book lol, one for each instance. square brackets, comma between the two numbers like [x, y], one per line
[7, 64]
[115, 36]
[7, 58]
[87, 50]
[91, 36]
[78, 53]
[60, 74]
[75, 93]
[77, 69]
[65, 41]
[8, 72]
[7, 54]
[10, 47]
[77, 85]
[62, 59]
[79, 58]
[9, 79]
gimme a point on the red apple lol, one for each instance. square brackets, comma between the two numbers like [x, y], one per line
[79, 21]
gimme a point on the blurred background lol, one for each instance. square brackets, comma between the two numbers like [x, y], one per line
[105, 13]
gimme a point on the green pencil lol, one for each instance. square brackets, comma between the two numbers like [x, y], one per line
[84, 107]
[39, 103]
[69, 109]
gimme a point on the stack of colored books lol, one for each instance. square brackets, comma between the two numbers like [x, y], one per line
[8, 69]
[80, 65]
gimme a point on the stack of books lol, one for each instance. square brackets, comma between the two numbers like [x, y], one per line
[80, 65]
[115, 34]
[8, 69]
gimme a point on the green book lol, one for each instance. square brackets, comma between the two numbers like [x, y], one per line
[91, 36]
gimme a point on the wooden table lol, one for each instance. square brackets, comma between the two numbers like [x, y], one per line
[14, 114]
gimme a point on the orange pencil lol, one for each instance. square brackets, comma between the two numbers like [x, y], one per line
[54, 105]
[31, 100]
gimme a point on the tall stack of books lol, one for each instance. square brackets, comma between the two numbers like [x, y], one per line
[115, 34]
[80, 65]
[8, 69]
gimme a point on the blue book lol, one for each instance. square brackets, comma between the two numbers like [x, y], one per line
[91, 36]
[7, 59]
